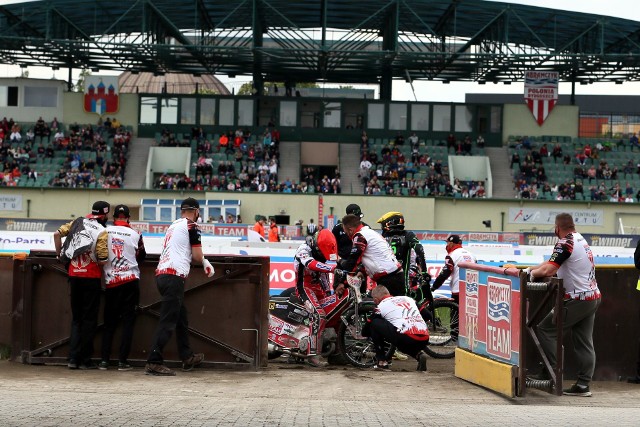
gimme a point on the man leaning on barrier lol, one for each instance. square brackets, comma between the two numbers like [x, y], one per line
[572, 261]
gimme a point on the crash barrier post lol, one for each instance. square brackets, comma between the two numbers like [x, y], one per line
[552, 291]
[228, 313]
[6, 275]
[489, 346]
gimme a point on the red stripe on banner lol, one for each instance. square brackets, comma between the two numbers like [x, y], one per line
[540, 117]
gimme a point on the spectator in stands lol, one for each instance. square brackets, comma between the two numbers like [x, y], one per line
[480, 142]
[557, 152]
[467, 146]
[633, 141]
[451, 142]
[515, 159]
[628, 169]
[16, 136]
[414, 141]
[544, 151]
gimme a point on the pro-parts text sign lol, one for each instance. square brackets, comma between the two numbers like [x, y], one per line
[490, 315]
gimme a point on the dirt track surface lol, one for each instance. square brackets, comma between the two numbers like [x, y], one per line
[288, 394]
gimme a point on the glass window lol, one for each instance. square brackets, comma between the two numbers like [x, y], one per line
[442, 118]
[188, 111]
[398, 116]
[148, 110]
[227, 112]
[245, 112]
[375, 116]
[332, 112]
[149, 213]
[419, 117]
[207, 111]
[496, 119]
[464, 116]
[214, 213]
[288, 113]
[169, 111]
[40, 96]
[166, 214]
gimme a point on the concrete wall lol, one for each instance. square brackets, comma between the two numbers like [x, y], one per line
[167, 159]
[74, 110]
[517, 120]
[421, 213]
[22, 114]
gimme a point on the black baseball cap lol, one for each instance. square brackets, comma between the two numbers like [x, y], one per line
[354, 209]
[189, 204]
[100, 208]
[454, 238]
[121, 210]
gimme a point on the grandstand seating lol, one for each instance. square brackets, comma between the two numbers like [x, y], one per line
[616, 153]
[49, 167]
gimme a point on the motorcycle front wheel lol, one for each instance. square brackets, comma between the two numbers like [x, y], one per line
[359, 350]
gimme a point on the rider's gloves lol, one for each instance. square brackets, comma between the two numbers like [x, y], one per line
[208, 268]
[338, 275]
[426, 278]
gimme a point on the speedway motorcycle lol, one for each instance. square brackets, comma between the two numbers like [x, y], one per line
[342, 340]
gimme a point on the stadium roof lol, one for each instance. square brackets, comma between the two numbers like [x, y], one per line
[349, 41]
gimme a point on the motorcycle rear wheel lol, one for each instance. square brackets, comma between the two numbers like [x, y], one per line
[359, 351]
[443, 332]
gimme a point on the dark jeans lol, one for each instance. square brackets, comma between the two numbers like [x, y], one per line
[394, 282]
[85, 304]
[173, 316]
[382, 330]
[120, 304]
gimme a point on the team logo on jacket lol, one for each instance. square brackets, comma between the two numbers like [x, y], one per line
[117, 247]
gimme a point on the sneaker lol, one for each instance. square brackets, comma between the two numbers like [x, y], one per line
[124, 366]
[192, 362]
[577, 390]
[400, 356]
[72, 364]
[422, 362]
[158, 369]
[315, 362]
[103, 366]
[89, 365]
[381, 366]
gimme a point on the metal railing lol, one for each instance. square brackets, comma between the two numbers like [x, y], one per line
[531, 315]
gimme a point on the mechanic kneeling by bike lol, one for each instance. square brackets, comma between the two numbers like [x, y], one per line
[397, 321]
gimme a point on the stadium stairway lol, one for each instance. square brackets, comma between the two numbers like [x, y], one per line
[349, 168]
[137, 162]
[289, 166]
[500, 172]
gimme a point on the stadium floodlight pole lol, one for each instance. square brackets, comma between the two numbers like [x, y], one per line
[411, 84]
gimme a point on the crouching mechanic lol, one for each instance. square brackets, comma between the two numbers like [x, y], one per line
[313, 284]
[398, 321]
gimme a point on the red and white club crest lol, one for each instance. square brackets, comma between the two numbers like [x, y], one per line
[541, 93]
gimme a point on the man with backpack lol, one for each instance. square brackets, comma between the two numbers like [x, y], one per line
[84, 252]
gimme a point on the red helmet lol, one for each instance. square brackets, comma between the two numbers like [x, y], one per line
[324, 246]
